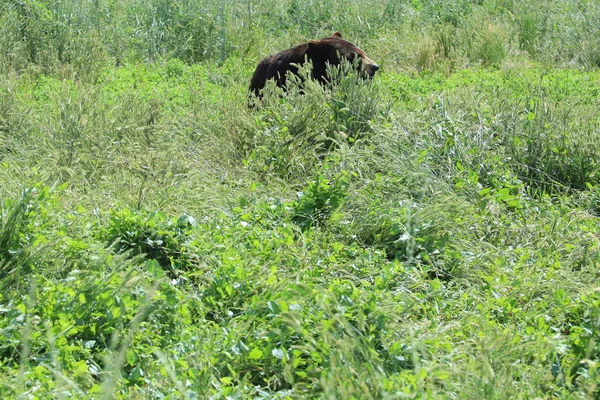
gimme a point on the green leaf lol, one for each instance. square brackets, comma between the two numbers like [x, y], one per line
[255, 354]
[226, 380]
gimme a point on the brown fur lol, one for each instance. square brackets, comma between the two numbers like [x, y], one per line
[320, 52]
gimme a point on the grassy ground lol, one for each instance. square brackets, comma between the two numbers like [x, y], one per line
[432, 233]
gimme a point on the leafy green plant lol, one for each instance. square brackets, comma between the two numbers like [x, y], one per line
[321, 197]
[151, 234]
[582, 327]
[85, 327]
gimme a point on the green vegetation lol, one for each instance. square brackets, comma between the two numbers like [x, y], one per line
[433, 233]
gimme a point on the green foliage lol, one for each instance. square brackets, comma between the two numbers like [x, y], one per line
[321, 197]
[297, 127]
[151, 234]
[355, 104]
[430, 233]
[84, 323]
[490, 46]
[454, 13]
[583, 338]
[547, 155]
[291, 128]
[531, 26]
[79, 40]
[19, 222]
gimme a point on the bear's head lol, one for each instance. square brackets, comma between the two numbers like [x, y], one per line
[334, 48]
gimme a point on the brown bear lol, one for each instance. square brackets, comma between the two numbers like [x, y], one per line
[330, 49]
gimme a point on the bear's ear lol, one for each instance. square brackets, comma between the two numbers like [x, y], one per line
[337, 34]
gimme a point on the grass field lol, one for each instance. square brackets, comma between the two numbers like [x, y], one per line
[433, 233]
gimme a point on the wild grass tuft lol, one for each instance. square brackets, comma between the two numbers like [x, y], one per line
[17, 223]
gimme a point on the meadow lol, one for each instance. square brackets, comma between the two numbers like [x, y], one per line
[432, 233]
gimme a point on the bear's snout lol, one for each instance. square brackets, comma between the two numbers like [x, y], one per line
[371, 69]
[369, 66]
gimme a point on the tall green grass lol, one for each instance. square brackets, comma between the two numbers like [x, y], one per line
[80, 39]
[429, 233]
